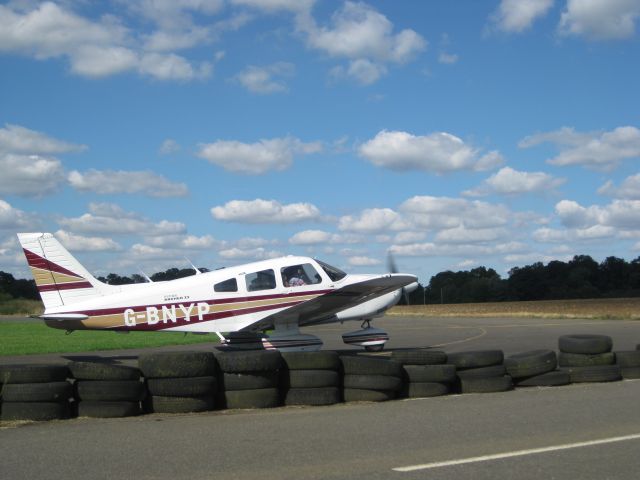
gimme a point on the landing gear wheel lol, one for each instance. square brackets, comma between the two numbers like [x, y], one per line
[374, 348]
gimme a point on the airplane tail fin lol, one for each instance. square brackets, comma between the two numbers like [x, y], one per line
[60, 278]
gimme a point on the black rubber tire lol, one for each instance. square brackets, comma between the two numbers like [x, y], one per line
[630, 373]
[600, 373]
[313, 396]
[249, 380]
[482, 372]
[549, 379]
[532, 363]
[162, 404]
[98, 409]
[250, 361]
[33, 373]
[183, 387]
[486, 384]
[585, 360]
[177, 364]
[311, 379]
[326, 360]
[259, 398]
[419, 356]
[362, 395]
[585, 344]
[364, 365]
[425, 389]
[102, 371]
[110, 390]
[37, 392]
[36, 411]
[430, 373]
[373, 382]
[476, 359]
[626, 359]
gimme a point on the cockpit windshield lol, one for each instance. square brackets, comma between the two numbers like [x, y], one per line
[335, 274]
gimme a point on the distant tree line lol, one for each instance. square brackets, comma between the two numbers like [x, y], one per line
[11, 287]
[581, 277]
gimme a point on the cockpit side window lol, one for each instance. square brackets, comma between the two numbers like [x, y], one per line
[262, 280]
[229, 285]
[333, 273]
[299, 275]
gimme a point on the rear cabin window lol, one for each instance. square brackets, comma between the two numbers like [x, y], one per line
[262, 280]
[229, 285]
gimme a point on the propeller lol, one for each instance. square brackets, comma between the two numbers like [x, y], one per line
[393, 268]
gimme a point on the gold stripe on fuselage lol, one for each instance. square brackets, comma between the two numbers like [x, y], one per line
[117, 319]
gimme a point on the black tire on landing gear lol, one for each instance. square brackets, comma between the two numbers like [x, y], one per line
[374, 348]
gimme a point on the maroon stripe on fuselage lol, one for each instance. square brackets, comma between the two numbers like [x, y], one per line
[35, 260]
[64, 286]
[211, 301]
[206, 318]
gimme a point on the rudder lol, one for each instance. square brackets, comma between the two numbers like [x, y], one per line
[60, 278]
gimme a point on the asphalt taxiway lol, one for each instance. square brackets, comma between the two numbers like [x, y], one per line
[586, 431]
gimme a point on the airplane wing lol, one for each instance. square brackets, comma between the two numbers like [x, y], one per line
[326, 306]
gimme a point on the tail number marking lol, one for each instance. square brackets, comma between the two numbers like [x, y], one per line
[153, 315]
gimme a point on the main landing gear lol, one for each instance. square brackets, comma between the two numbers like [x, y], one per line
[371, 338]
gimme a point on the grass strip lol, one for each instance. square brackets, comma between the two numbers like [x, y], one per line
[29, 338]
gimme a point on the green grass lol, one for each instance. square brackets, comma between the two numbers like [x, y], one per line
[28, 338]
[20, 306]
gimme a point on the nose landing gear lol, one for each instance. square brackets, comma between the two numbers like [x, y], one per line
[371, 338]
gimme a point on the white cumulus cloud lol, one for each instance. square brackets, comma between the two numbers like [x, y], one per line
[372, 220]
[21, 140]
[12, 218]
[266, 80]
[508, 181]
[30, 175]
[365, 36]
[110, 219]
[256, 158]
[438, 152]
[79, 243]
[109, 182]
[515, 16]
[600, 19]
[265, 211]
[628, 189]
[602, 150]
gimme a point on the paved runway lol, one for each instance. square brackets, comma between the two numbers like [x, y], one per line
[578, 431]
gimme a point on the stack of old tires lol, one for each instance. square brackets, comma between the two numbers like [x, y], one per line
[179, 382]
[426, 372]
[311, 378]
[536, 368]
[629, 363]
[370, 379]
[35, 392]
[481, 371]
[105, 390]
[250, 379]
[588, 358]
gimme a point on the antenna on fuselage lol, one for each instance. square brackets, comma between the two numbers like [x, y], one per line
[146, 277]
[198, 272]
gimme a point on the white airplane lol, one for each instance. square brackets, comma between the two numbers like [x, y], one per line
[236, 303]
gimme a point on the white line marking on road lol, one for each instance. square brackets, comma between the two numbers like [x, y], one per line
[482, 333]
[518, 453]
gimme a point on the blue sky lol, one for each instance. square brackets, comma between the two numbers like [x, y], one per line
[454, 133]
